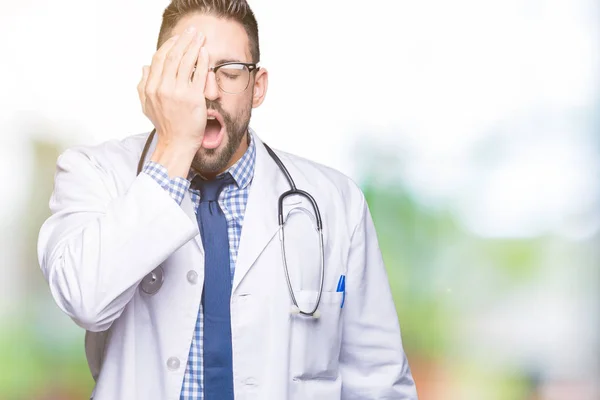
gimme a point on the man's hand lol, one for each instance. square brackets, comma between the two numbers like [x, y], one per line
[174, 102]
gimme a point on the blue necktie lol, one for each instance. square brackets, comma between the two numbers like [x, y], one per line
[218, 370]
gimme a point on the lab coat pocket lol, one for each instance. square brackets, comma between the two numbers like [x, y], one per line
[316, 342]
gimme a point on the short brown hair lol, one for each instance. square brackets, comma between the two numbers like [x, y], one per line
[236, 10]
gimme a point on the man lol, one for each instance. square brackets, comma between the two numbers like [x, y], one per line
[178, 273]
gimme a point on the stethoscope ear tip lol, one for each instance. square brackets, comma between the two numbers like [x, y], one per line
[295, 310]
[317, 314]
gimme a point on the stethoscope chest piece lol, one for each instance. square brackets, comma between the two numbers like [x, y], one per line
[153, 281]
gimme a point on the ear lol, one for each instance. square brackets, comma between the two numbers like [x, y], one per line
[261, 83]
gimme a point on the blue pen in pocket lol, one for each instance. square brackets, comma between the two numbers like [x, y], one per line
[341, 287]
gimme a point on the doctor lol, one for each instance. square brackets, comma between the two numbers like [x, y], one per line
[181, 274]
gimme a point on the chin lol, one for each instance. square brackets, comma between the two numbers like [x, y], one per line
[212, 160]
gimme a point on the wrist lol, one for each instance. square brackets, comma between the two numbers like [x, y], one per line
[176, 158]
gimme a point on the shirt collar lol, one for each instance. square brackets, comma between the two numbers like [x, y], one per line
[243, 170]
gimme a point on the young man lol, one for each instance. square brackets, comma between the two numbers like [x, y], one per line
[178, 272]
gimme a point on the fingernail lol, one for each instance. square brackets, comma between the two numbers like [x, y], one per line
[190, 29]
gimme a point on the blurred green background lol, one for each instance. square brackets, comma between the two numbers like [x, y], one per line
[471, 126]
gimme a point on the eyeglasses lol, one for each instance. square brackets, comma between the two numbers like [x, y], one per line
[233, 77]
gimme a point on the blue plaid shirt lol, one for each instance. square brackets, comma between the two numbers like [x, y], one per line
[233, 201]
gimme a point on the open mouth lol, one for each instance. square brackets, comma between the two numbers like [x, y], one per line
[214, 131]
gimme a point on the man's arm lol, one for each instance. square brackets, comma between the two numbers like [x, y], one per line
[94, 250]
[372, 362]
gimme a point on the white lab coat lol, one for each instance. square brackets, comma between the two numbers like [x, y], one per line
[110, 229]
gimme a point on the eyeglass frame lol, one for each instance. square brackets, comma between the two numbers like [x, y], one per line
[251, 68]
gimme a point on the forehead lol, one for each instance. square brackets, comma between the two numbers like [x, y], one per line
[225, 39]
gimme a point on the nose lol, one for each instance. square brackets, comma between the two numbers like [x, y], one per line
[211, 89]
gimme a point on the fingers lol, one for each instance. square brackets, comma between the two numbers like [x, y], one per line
[141, 88]
[201, 72]
[174, 56]
[156, 69]
[189, 60]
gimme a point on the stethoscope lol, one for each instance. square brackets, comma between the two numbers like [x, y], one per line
[151, 283]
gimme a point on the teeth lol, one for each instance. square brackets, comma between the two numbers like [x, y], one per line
[211, 118]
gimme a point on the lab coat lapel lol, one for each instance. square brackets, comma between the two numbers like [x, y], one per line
[260, 217]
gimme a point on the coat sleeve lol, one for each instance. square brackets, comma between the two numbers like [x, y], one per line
[373, 364]
[96, 247]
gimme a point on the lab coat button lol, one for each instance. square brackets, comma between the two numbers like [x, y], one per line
[192, 277]
[153, 281]
[173, 363]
